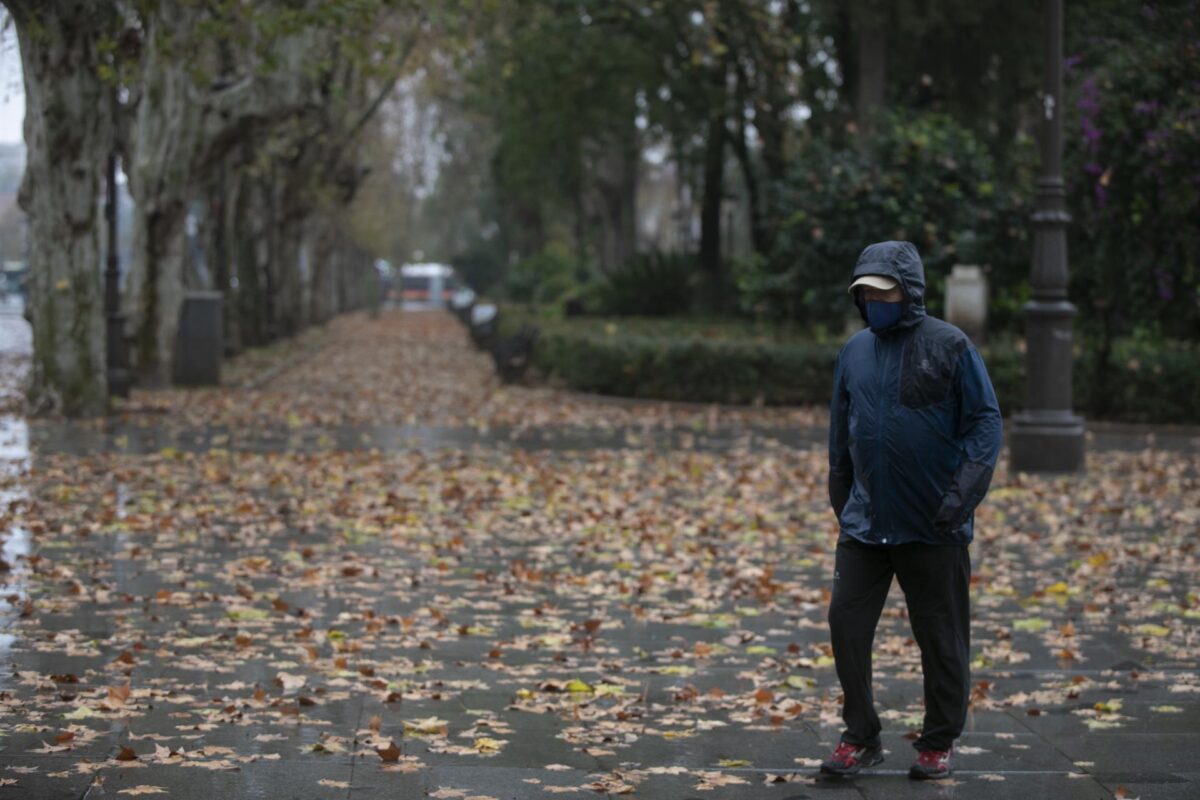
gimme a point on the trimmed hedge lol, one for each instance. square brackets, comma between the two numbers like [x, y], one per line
[1146, 383]
[688, 369]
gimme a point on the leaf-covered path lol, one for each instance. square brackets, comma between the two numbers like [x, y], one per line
[362, 569]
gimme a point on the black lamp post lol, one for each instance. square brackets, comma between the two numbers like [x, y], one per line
[119, 378]
[1047, 435]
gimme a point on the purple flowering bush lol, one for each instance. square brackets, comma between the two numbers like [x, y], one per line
[1133, 168]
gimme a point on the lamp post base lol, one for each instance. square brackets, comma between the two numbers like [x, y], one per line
[1046, 441]
[120, 381]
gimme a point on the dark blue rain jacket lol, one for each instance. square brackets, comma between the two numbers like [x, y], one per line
[915, 429]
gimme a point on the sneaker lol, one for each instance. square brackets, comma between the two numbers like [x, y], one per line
[848, 759]
[931, 765]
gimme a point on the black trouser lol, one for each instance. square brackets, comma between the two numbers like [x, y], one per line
[936, 581]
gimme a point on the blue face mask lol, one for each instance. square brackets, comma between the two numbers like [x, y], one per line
[881, 316]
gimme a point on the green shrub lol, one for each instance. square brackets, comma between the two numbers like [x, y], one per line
[1151, 383]
[542, 278]
[688, 369]
[921, 178]
[651, 284]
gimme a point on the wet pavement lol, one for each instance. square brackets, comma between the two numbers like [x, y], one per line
[608, 603]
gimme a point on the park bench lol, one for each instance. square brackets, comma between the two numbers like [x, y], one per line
[512, 354]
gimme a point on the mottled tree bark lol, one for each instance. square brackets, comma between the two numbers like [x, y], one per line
[182, 133]
[68, 133]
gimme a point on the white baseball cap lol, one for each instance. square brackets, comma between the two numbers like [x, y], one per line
[881, 282]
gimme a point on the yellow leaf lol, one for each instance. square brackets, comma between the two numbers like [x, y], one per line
[426, 725]
[1102, 724]
[1031, 624]
[486, 744]
[82, 712]
[143, 789]
[1153, 630]
[681, 670]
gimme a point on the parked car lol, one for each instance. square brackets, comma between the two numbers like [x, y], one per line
[427, 284]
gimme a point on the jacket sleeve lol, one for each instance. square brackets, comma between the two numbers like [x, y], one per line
[841, 468]
[981, 431]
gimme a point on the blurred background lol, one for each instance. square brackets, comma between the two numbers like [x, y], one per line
[673, 192]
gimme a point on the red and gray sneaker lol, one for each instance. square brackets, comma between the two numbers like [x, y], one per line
[931, 765]
[848, 759]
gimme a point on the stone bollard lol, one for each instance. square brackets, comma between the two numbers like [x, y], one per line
[485, 324]
[198, 347]
[461, 304]
[967, 299]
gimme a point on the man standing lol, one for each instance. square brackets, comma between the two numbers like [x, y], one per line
[915, 431]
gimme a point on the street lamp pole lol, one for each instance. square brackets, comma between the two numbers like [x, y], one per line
[1047, 435]
[119, 378]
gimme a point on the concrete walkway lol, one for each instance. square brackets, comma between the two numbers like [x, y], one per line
[508, 593]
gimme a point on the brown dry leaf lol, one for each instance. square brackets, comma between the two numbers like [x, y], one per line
[117, 696]
[390, 753]
[126, 754]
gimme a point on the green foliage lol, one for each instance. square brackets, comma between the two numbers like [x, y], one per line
[480, 264]
[925, 179]
[975, 60]
[556, 85]
[653, 284]
[542, 278]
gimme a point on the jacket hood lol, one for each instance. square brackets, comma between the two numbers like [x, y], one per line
[900, 261]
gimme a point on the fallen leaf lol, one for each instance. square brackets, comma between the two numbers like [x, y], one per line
[143, 789]
[390, 753]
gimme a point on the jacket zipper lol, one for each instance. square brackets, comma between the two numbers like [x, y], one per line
[880, 418]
